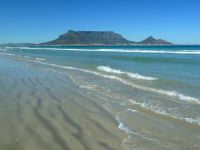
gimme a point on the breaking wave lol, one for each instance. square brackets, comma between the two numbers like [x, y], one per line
[173, 94]
[181, 52]
[42, 59]
[129, 74]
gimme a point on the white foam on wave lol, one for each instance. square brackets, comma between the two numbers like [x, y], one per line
[132, 110]
[7, 54]
[181, 52]
[173, 94]
[158, 110]
[193, 121]
[167, 93]
[45, 48]
[42, 59]
[153, 51]
[124, 128]
[129, 74]
[154, 109]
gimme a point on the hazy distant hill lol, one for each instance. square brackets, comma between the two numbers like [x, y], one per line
[152, 41]
[100, 38]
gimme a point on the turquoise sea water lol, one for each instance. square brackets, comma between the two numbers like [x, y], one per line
[176, 68]
[161, 81]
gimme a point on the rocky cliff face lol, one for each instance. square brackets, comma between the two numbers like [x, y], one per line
[89, 38]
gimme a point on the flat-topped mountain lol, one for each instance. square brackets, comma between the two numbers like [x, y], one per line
[89, 38]
[100, 38]
[152, 41]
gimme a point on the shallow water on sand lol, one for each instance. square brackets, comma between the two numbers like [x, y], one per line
[40, 109]
[46, 104]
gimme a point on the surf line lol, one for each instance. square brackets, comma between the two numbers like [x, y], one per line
[181, 52]
[148, 89]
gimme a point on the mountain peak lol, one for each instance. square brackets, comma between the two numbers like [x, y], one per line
[150, 37]
[100, 38]
[153, 41]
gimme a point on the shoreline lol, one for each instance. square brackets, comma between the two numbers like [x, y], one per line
[50, 112]
[59, 102]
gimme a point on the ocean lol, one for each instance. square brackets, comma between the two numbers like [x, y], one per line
[109, 97]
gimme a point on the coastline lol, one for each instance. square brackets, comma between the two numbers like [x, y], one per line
[57, 96]
[136, 45]
[46, 110]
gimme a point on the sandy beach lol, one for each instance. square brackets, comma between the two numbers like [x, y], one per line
[64, 99]
[41, 110]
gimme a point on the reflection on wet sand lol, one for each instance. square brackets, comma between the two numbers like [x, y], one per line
[40, 112]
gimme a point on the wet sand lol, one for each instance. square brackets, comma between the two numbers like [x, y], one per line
[44, 106]
[42, 110]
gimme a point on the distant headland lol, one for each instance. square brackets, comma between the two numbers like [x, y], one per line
[100, 38]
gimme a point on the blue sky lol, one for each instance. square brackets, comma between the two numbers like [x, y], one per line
[43, 20]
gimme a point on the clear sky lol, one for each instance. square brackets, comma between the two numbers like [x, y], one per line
[43, 20]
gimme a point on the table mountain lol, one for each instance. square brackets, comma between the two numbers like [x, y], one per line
[89, 38]
[100, 38]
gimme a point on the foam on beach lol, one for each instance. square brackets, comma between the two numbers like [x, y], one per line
[173, 94]
[66, 107]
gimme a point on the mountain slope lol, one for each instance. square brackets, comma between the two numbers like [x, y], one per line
[151, 40]
[100, 38]
[88, 38]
